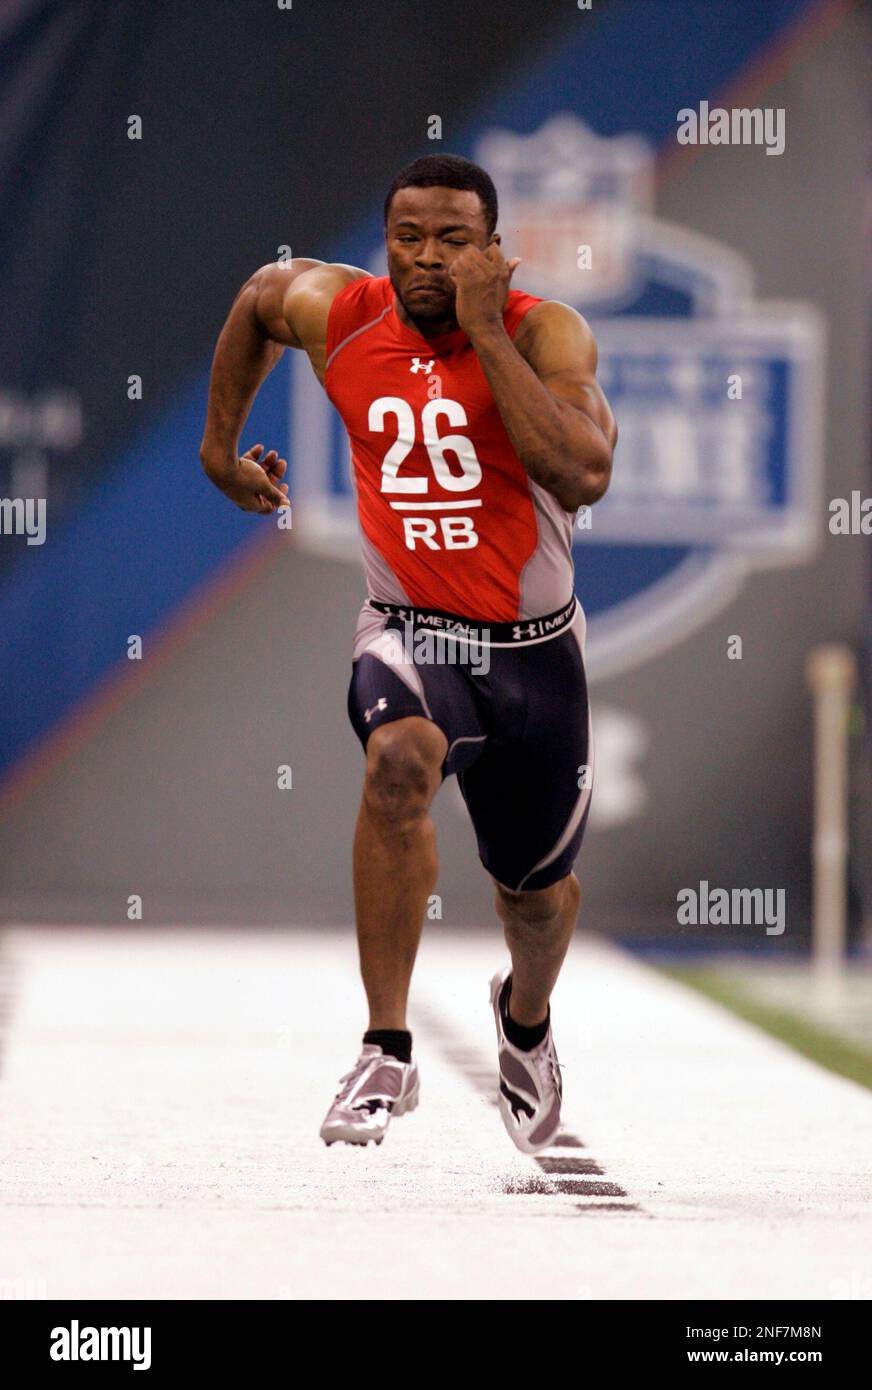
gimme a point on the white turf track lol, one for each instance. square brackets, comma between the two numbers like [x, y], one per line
[161, 1092]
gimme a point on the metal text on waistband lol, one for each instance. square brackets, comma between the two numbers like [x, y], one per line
[493, 633]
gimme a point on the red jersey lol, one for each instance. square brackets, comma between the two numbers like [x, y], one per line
[449, 517]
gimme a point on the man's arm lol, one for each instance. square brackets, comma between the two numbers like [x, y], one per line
[282, 305]
[250, 344]
[544, 382]
[553, 408]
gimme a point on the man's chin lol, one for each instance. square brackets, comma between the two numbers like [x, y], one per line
[429, 309]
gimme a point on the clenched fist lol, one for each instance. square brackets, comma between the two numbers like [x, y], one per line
[482, 279]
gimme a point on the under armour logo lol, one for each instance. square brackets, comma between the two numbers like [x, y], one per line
[381, 703]
[419, 366]
[532, 631]
[517, 1102]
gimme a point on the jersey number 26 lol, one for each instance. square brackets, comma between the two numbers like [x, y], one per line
[459, 444]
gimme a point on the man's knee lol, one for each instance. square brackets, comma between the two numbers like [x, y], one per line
[540, 907]
[403, 769]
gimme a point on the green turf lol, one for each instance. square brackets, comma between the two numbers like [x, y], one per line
[830, 1051]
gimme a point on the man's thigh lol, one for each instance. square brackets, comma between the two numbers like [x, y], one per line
[384, 688]
[529, 795]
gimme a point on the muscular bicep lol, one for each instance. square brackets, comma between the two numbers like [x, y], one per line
[292, 298]
[270, 287]
[306, 305]
[560, 347]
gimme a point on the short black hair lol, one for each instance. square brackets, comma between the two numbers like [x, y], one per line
[448, 171]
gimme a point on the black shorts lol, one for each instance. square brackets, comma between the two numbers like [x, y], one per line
[517, 721]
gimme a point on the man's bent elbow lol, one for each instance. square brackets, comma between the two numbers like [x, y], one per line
[598, 486]
[591, 485]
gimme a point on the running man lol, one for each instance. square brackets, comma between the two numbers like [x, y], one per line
[477, 430]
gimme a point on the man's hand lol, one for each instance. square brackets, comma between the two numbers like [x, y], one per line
[252, 482]
[482, 279]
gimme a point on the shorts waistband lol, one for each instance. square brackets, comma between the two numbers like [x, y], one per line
[490, 634]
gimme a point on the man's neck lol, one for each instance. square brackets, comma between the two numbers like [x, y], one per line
[437, 330]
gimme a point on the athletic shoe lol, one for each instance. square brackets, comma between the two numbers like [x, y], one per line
[531, 1088]
[377, 1087]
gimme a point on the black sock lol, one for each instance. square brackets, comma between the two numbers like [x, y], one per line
[517, 1034]
[394, 1042]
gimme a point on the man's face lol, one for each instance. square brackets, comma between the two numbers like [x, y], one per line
[426, 229]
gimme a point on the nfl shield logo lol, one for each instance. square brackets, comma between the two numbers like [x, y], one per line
[568, 197]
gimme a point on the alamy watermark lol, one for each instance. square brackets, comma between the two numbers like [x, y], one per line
[424, 647]
[23, 516]
[739, 126]
[851, 517]
[76, 1343]
[732, 907]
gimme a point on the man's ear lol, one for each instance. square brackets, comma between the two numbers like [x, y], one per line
[495, 239]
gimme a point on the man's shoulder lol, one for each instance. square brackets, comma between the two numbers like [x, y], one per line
[537, 310]
[324, 280]
[539, 320]
[315, 299]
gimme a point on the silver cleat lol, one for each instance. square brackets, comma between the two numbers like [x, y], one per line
[531, 1087]
[376, 1089]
